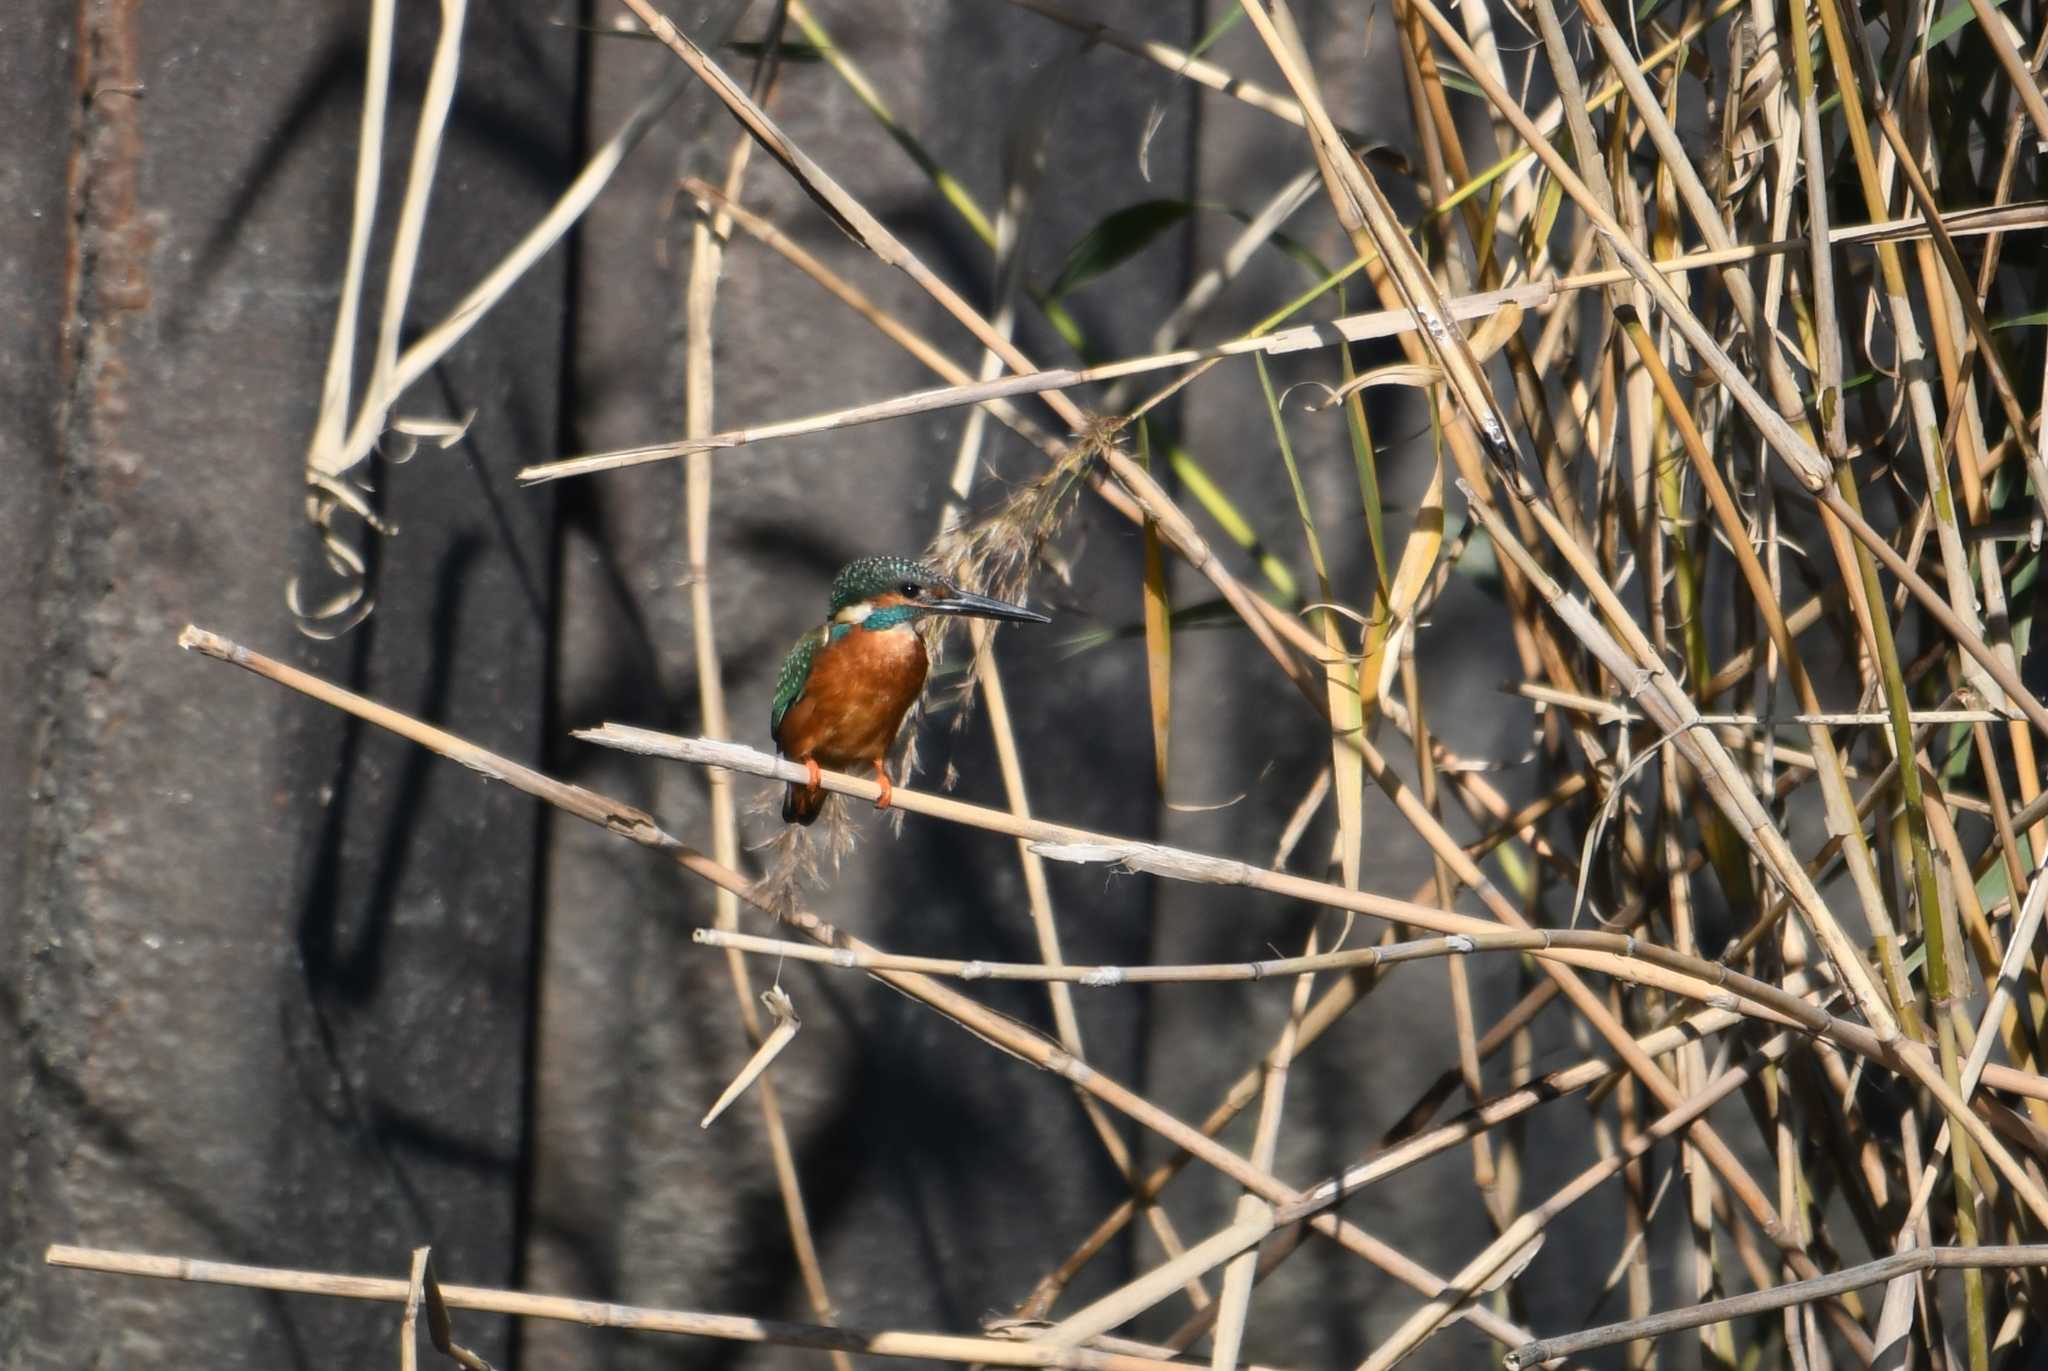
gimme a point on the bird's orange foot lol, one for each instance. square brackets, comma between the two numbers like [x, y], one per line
[882, 779]
[817, 776]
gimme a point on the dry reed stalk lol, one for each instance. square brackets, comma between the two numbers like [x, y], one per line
[412, 216]
[857, 300]
[1454, 945]
[330, 426]
[1483, 1176]
[595, 1314]
[707, 253]
[408, 1326]
[1233, 1305]
[1182, 64]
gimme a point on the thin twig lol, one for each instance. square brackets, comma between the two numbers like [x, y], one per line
[1110, 977]
[1549, 1350]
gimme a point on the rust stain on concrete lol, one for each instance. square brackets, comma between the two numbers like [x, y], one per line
[108, 248]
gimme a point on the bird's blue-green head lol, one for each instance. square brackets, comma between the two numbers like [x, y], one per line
[885, 592]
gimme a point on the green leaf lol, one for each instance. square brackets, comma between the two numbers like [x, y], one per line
[1458, 81]
[1520, 874]
[1308, 522]
[1347, 717]
[1363, 458]
[1292, 247]
[1218, 506]
[1993, 885]
[2023, 579]
[1955, 748]
[1114, 241]
[2034, 320]
[1952, 19]
[2004, 489]
[1221, 27]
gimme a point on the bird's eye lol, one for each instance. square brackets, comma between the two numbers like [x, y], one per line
[911, 590]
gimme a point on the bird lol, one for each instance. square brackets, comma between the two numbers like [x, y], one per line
[844, 688]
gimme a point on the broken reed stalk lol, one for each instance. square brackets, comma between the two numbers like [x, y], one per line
[783, 1010]
[424, 1291]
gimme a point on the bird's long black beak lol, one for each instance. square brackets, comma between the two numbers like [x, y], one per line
[974, 606]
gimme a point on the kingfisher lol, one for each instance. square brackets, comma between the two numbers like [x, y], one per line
[846, 685]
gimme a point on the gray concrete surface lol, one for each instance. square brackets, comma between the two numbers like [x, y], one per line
[267, 973]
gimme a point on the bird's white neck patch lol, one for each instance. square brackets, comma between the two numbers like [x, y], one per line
[856, 613]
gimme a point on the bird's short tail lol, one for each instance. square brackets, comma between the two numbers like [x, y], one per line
[801, 804]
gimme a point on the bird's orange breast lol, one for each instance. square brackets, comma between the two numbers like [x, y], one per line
[860, 686]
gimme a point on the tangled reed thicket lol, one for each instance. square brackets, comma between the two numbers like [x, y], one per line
[1716, 330]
